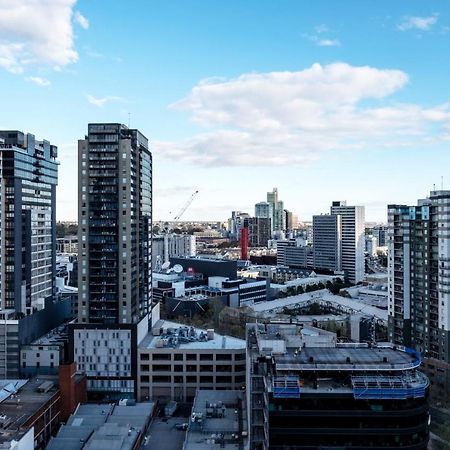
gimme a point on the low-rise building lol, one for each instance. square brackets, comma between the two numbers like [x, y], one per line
[218, 420]
[45, 354]
[174, 361]
[29, 413]
[104, 426]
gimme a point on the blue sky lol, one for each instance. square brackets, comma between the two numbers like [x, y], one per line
[326, 100]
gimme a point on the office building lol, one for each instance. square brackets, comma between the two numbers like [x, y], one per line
[265, 211]
[259, 231]
[419, 276]
[380, 233]
[289, 220]
[291, 253]
[352, 239]
[327, 238]
[172, 245]
[305, 391]
[29, 175]
[115, 218]
[278, 214]
[175, 361]
[235, 223]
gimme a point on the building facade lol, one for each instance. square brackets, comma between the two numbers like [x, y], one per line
[352, 239]
[278, 214]
[305, 391]
[259, 231]
[115, 219]
[28, 179]
[291, 254]
[175, 361]
[172, 245]
[327, 238]
[419, 276]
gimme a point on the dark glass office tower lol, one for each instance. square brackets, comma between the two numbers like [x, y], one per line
[29, 175]
[115, 215]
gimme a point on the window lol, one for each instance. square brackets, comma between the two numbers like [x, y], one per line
[178, 357]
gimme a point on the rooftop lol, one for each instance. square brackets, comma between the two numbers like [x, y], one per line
[24, 399]
[167, 334]
[342, 304]
[103, 427]
[218, 421]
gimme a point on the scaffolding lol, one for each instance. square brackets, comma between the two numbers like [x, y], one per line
[286, 387]
[389, 387]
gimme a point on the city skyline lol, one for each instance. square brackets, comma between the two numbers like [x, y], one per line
[233, 110]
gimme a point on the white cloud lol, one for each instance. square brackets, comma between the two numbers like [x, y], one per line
[280, 118]
[39, 81]
[36, 32]
[101, 101]
[322, 28]
[322, 42]
[81, 20]
[418, 23]
[328, 43]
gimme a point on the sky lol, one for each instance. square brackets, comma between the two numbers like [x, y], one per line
[325, 100]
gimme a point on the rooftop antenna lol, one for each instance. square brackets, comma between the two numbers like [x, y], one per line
[442, 182]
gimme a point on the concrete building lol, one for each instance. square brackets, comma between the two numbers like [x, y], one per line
[327, 238]
[352, 239]
[17, 331]
[291, 253]
[371, 245]
[306, 391]
[105, 426]
[45, 354]
[175, 361]
[115, 219]
[29, 175]
[380, 233]
[218, 420]
[107, 354]
[419, 276]
[259, 231]
[67, 244]
[172, 245]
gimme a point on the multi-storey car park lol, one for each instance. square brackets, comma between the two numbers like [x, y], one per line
[305, 391]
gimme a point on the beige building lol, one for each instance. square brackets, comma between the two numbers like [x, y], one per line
[175, 360]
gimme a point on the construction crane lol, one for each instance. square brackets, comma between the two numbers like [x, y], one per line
[185, 207]
[176, 218]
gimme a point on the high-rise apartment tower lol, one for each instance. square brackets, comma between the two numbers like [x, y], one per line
[115, 218]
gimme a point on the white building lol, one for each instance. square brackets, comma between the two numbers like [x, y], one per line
[172, 245]
[352, 247]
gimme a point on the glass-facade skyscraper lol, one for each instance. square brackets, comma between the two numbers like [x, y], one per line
[28, 179]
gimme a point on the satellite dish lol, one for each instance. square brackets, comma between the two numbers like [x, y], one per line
[165, 266]
[178, 268]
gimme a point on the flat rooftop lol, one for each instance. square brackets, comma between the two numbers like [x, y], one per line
[103, 427]
[178, 336]
[218, 421]
[360, 358]
[20, 406]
